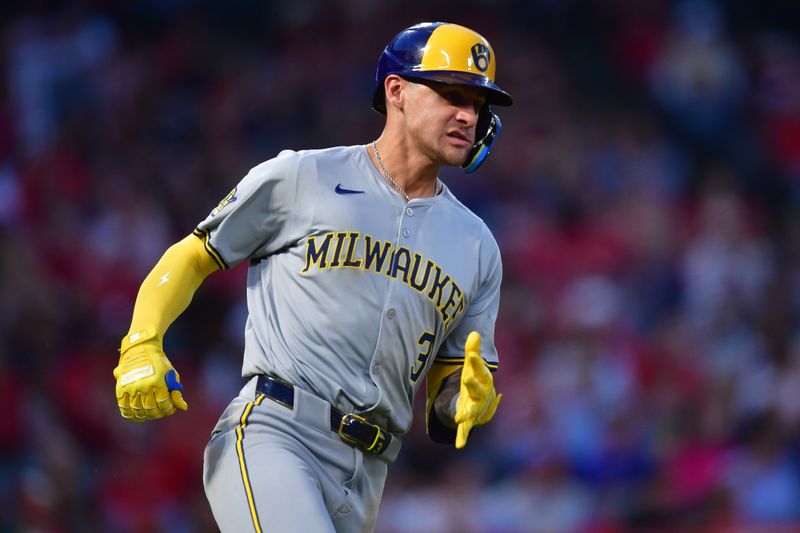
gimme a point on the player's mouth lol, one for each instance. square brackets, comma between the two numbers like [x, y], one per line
[459, 138]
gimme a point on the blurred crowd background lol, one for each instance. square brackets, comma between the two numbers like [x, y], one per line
[644, 194]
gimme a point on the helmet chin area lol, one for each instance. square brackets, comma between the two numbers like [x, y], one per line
[486, 133]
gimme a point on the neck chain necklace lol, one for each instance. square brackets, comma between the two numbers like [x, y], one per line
[400, 189]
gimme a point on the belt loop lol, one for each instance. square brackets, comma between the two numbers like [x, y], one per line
[249, 390]
[392, 450]
[311, 410]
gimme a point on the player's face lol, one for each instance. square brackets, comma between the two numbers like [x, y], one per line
[441, 119]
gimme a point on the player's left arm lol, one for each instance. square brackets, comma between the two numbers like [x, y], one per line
[460, 397]
[459, 385]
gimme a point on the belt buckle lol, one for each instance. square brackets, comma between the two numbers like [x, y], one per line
[354, 442]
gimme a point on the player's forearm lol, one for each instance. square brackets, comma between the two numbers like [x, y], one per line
[444, 405]
[167, 290]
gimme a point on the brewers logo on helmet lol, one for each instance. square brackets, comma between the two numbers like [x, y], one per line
[447, 53]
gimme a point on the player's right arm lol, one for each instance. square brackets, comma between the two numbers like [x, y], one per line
[148, 387]
[252, 221]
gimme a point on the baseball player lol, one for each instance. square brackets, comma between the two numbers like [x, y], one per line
[366, 276]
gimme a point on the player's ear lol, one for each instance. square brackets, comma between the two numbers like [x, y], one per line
[394, 87]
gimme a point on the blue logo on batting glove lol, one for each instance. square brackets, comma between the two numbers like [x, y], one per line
[172, 381]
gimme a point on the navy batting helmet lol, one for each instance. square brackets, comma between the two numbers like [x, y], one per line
[446, 53]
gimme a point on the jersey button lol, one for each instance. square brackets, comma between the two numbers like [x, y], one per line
[409, 212]
[406, 233]
[390, 314]
[376, 368]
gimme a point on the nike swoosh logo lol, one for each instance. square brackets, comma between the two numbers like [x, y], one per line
[341, 190]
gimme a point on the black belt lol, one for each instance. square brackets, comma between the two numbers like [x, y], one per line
[351, 428]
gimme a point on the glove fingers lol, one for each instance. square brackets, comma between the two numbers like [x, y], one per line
[151, 406]
[472, 353]
[488, 413]
[471, 401]
[173, 380]
[474, 365]
[475, 389]
[473, 344]
[477, 402]
[164, 402]
[462, 433]
[467, 411]
[178, 401]
[139, 413]
[124, 404]
[462, 414]
[494, 405]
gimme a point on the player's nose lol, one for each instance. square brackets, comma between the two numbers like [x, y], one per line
[467, 115]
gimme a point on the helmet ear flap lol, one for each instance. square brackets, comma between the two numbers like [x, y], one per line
[486, 132]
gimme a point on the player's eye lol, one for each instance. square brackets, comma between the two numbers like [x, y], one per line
[457, 98]
[460, 99]
[452, 97]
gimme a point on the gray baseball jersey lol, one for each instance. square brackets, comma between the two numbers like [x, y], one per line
[352, 294]
[350, 290]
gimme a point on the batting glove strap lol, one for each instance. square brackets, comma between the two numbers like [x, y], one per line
[139, 337]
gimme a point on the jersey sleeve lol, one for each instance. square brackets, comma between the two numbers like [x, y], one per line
[255, 218]
[481, 312]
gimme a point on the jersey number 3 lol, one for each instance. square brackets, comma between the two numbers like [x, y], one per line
[425, 342]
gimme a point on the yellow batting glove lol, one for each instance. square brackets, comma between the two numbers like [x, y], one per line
[477, 400]
[148, 387]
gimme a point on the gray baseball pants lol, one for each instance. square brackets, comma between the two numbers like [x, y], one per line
[268, 468]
